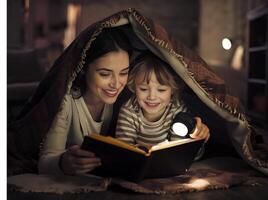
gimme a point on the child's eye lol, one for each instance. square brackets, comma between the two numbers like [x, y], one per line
[162, 90]
[143, 89]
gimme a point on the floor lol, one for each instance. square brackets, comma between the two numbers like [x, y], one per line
[114, 192]
[234, 193]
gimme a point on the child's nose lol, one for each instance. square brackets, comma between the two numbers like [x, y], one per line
[151, 95]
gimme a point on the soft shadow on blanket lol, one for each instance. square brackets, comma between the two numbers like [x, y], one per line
[214, 173]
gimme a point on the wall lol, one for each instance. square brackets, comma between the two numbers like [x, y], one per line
[179, 17]
[14, 23]
[219, 19]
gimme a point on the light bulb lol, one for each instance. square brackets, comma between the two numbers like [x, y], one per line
[226, 43]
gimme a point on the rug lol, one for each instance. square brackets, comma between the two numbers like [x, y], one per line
[210, 174]
[57, 184]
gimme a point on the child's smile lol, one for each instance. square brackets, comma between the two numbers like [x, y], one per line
[152, 105]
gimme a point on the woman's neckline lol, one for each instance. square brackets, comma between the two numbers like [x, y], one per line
[95, 109]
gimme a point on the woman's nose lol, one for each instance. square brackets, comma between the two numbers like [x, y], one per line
[114, 83]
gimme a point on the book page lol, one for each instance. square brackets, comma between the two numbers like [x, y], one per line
[168, 144]
[116, 142]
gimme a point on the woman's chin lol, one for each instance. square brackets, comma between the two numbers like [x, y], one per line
[109, 100]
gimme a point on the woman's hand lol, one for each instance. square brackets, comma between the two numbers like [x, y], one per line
[201, 130]
[78, 161]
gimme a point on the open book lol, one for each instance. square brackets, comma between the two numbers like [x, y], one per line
[124, 160]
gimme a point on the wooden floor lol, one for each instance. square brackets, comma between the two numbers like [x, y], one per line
[234, 193]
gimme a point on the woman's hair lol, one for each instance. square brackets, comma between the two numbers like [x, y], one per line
[147, 63]
[109, 40]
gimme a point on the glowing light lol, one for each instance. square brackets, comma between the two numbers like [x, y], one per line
[199, 184]
[226, 43]
[237, 60]
[73, 13]
[180, 129]
[27, 4]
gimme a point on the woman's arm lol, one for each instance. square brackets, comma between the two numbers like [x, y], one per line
[55, 140]
[55, 158]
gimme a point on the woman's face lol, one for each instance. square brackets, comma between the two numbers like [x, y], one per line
[152, 97]
[106, 77]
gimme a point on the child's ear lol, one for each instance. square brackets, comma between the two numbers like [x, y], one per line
[132, 89]
[174, 94]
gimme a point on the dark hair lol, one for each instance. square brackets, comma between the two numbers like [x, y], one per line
[147, 63]
[110, 39]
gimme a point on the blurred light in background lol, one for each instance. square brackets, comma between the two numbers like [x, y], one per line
[237, 60]
[26, 10]
[73, 13]
[226, 43]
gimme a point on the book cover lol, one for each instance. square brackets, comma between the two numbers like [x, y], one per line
[120, 159]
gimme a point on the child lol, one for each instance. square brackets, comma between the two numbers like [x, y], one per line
[145, 118]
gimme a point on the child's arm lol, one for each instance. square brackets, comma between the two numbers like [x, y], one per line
[201, 130]
[125, 128]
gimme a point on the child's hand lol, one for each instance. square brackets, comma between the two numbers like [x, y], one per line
[201, 130]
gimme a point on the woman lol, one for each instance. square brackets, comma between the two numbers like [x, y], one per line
[83, 95]
[88, 109]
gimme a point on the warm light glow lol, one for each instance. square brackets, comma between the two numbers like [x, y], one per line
[199, 184]
[226, 43]
[73, 12]
[27, 4]
[180, 129]
[237, 60]
[26, 11]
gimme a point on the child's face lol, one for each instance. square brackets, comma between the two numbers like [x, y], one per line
[153, 98]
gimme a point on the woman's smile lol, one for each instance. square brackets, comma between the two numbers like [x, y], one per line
[110, 93]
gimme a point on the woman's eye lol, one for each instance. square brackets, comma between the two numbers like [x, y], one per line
[124, 73]
[104, 74]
